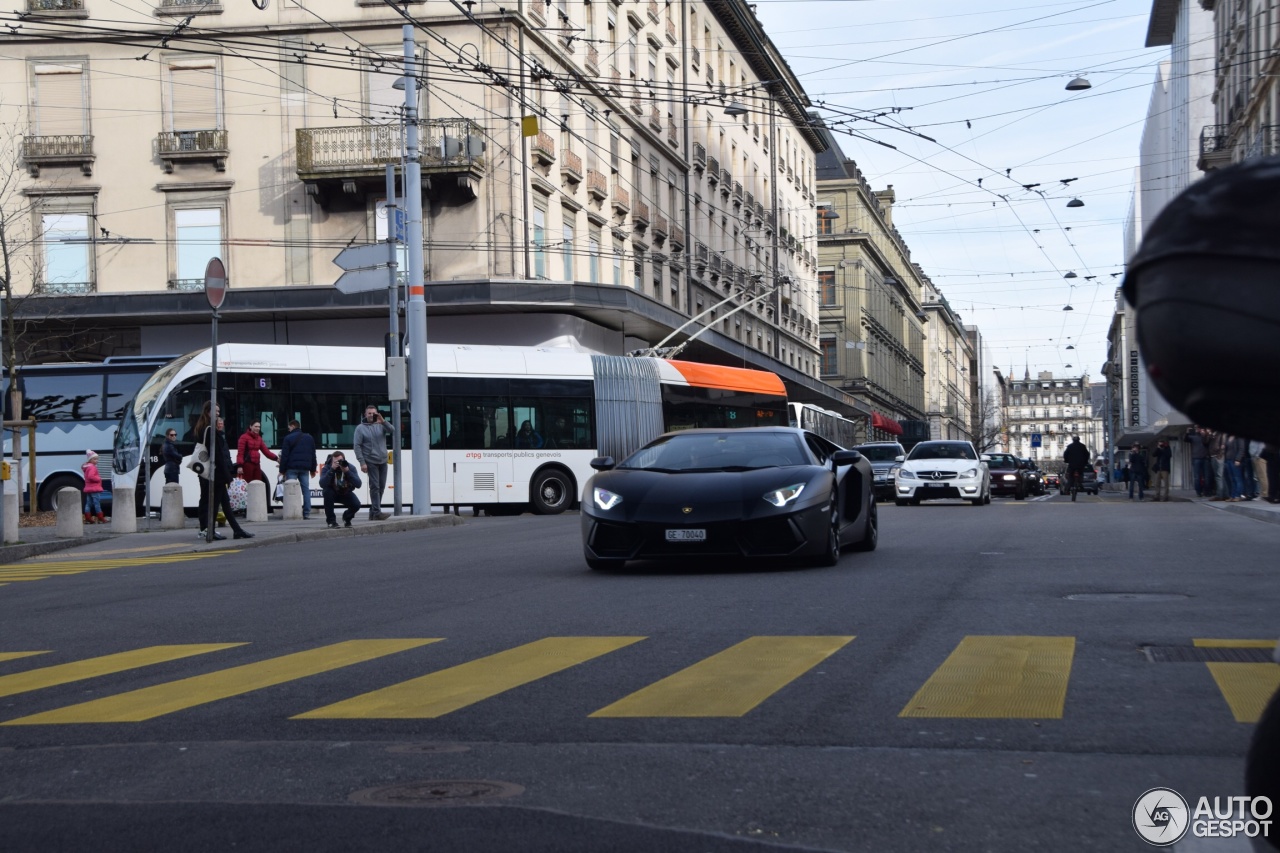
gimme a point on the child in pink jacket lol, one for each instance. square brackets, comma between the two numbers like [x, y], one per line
[92, 490]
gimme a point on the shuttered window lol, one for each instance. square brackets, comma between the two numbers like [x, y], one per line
[194, 95]
[60, 102]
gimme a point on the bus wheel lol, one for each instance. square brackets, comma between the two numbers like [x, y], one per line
[552, 492]
[50, 488]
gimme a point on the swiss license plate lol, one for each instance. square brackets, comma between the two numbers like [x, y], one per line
[936, 485]
[686, 536]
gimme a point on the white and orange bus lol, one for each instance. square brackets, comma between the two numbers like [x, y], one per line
[578, 405]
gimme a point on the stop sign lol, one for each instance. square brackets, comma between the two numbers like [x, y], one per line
[215, 283]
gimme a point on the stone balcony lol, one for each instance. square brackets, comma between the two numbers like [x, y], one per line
[57, 9]
[597, 185]
[177, 146]
[544, 148]
[67, 150]
[571, 167]
[352, 157]
[621, 200]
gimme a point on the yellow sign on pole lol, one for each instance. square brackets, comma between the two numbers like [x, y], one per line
[4, 470]
[529, 126]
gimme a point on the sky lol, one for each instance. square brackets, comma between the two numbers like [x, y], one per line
[986, 81]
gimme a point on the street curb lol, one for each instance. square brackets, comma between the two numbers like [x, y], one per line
[26, 550]
[1249, 512]
[293, 536]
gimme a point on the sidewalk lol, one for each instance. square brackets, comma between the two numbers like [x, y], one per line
[1257, 508]
[98, 538]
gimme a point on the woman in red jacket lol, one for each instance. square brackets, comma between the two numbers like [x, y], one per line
[249, 453]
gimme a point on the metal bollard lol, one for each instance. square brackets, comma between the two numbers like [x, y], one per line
[256, 507]
[172, 515]
[70, 523]
[10, 511]
[292, 500]
[124, 519]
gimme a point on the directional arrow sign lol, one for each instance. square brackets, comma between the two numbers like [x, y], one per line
[366, 268]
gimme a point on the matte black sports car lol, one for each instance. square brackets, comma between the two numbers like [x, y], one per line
[760, 492]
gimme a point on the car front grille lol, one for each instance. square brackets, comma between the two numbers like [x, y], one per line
[936, 475]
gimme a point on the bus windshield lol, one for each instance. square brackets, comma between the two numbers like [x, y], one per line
[127, 450]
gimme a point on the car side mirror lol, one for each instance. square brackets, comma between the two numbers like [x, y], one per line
[985, 457]
[845, 457]
[603, 463]
[899, 459]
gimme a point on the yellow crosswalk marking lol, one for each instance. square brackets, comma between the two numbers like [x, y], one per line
[1247, 687]
[16, 655]
[150, 702]
[439, 693]
[51, 676]
[13, 572]
[998, 678]
[730, 683]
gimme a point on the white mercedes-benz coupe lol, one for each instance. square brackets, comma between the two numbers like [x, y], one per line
[934, 470]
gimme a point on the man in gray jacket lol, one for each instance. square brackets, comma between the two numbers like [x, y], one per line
[371, 453]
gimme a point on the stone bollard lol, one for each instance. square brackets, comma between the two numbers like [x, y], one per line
[124, 518]
[172, 515]
[292, 500]
[70, 523]
[256, 508]
[10, 511]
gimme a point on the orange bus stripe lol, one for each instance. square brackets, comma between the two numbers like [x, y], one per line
[729, 378]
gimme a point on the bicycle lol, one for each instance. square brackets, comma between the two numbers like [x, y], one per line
[1076, 476]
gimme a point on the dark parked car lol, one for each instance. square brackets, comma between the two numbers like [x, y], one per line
[885, 458]
[1009, 475]
[757, 492]
[1088, 483]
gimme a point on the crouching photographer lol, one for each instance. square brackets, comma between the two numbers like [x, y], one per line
[339, 481]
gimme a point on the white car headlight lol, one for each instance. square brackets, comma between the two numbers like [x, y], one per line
[1009, 477]
[906, 474]
[972, 472]
[606, 499]
[785, 495]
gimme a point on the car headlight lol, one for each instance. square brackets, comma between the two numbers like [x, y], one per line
[906, 474]
[893, 472]
[606, 499]
[785, 495]
[972, 472]
[1009, 477]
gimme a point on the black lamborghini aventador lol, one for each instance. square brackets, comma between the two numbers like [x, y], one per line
[768, 492]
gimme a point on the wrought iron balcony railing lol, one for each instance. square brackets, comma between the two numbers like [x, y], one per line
[544, 148]
[38, 6]
[190, 5]
[660, 229]
[640, 215]
[63, 150]
[186, 284]
[446, 145]
[621, 200]
[1215, 146]
[597, 184]
[677, 236]
[176, 145]
[571, 166]
[713, 170]
[699, 156]
[64, 288]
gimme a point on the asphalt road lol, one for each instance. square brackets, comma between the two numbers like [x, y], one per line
[946, 692]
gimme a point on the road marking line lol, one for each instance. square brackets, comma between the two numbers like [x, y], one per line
[51, 676]
[1247, 687]
[12, 572]
[730, 683]
[447, 690]
[998, 678]
[17, 655]
[115, 551]
[150, 702]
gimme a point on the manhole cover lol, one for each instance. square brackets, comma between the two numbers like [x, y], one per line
[440, 792]
[428, 748]
[1126, 596]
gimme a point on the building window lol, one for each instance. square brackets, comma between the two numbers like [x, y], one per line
[194, 94]
[566, 249]
[68, 256]
[197, 237]
[60, 98]
[539, 243]
[638, 270]
[828, 347]
[827, 287]
[593, 255]
[657, 281]
[619, 251]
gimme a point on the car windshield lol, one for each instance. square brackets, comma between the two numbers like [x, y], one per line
[880, 453]
[1002, 460]
[736, 451]
[942, 450]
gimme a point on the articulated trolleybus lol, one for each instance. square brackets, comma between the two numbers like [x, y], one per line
[576, 406]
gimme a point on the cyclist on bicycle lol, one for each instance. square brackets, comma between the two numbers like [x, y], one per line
[1077, 457]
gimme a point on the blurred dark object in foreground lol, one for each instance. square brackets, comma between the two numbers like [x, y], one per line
[1206, 286]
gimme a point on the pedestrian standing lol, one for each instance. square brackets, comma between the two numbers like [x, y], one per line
[371, 454]
[1271, 454]
[1236, 457]
[172, 457]
[1218, 457]
[1263, 488]
[1162, 462]
[298, 461]
[92, 489]
[249, 452]
[220, 460]
[1137, 471]
[1201, 467]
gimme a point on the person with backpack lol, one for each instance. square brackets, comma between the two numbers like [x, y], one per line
[298, 461]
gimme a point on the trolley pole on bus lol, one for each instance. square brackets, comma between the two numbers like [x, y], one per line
[416, 311]
[215, 290]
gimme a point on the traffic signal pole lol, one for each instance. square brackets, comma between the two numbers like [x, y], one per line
[416, 310]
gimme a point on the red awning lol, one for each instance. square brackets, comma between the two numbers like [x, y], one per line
[879, 421]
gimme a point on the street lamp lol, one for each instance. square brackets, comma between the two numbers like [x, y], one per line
[1075, 202]
[1079, 84]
